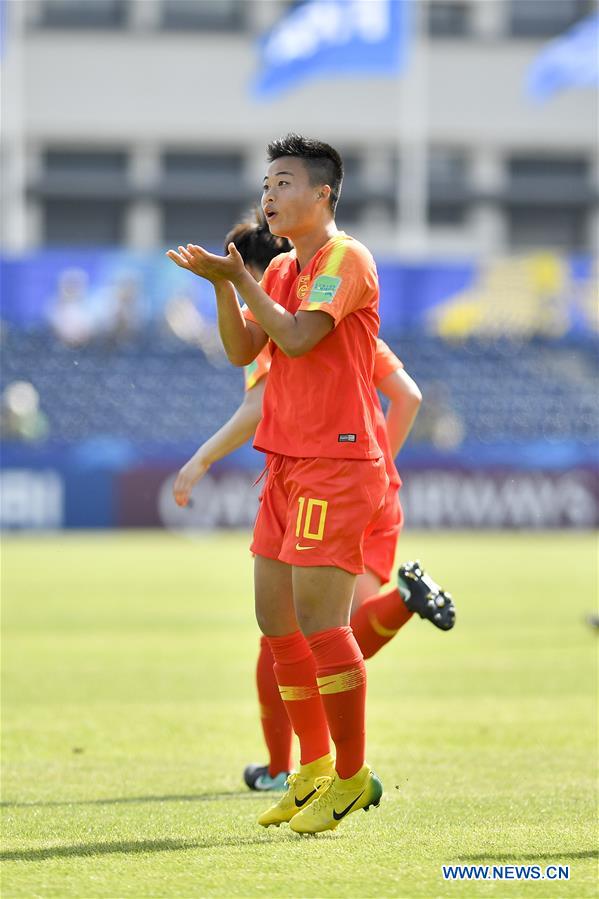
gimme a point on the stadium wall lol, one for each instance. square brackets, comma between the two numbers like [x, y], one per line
[52, 489]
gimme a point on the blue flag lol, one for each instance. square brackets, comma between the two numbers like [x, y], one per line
[571, 60]
[330, 37]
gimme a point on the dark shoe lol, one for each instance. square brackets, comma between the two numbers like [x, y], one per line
[422, 595]
[258, 778]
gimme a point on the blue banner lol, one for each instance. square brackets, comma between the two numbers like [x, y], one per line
[543, 293]
[32, 285]
[330, 37]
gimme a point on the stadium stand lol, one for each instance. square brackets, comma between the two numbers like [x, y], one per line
[157, 389]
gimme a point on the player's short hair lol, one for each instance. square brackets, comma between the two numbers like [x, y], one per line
[254, 242]
[323, 162]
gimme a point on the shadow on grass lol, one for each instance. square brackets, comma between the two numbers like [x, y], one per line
[529, 856]
[198, 797]
[128, 847]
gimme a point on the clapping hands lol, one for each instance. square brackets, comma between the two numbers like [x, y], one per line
[208, 265]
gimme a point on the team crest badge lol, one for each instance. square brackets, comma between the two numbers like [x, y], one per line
[302, 287]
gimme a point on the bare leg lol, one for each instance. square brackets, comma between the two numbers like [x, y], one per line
[322, 596]
[274, 597]
[367, 585]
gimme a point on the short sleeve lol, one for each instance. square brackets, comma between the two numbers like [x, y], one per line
[257, 369]
[385, 362]
[344, 281]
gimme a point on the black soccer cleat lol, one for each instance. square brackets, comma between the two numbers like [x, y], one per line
[422, 595]
[257, 777]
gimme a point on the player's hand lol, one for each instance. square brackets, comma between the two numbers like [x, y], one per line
[192, 472]
[208, 265]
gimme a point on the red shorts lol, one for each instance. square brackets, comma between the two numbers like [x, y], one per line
[380, 543]
[315, 511]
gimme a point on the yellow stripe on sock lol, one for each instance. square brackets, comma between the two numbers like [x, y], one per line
[291, 694]
[379, 628]
[341, 683]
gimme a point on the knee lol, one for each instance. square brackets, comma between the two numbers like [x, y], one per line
[312, 619]
[262, 620]
[275, 618]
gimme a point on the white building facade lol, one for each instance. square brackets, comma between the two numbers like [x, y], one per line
[131, 123]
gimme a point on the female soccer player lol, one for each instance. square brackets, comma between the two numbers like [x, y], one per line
[317, 307]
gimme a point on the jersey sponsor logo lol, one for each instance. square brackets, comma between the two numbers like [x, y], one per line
[324, 289]
[347, 438]
[303, 286]
[339, 815]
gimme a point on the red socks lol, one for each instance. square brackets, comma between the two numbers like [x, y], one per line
[341, 678]
[296, 676]
[278, 734]
[334, 657]
[378, 619]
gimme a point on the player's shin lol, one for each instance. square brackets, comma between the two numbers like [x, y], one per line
[295, 672]
[276, 725]
[342, 684]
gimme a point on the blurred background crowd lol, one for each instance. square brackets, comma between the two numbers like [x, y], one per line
[131, 126]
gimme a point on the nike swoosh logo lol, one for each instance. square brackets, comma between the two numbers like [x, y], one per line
[299, 547]
[263, 784]
[342, 814]
[300, 802]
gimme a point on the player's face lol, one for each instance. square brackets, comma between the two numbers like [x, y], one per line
[290, 203]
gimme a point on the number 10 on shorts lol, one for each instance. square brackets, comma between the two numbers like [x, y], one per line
[310, 506]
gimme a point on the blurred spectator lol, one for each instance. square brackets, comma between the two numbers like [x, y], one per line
[20, 415]
[70, 317]
[438, 422]
[119, 313]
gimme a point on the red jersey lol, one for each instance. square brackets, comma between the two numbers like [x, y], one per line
[385, 363]
[320, 405]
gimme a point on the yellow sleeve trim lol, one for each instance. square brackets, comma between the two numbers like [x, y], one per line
[333, 263]
[250, 373]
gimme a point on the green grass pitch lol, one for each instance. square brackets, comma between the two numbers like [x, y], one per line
[129, 714]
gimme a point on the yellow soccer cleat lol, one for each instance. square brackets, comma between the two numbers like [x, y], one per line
[301, 791]
[336, 799]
